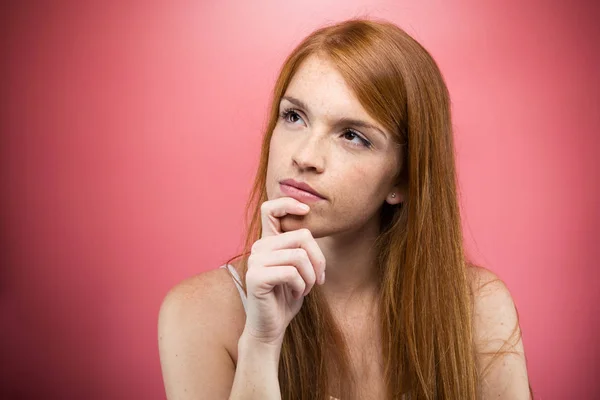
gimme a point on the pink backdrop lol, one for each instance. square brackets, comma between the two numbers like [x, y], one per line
[130, 133]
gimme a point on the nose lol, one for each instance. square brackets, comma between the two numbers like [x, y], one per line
[310, 153]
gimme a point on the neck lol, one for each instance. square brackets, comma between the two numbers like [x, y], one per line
[351, 272]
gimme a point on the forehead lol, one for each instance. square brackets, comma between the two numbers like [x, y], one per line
[323, 89]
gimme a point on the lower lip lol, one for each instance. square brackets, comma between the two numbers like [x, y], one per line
[299, 194]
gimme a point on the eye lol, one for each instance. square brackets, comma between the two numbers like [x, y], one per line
[354, 135]
[289, 113]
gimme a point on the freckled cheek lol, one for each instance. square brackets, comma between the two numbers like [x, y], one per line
[360, 187]
[355, 178]
[278, 149]
[280, 146]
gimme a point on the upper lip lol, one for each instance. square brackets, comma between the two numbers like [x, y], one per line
[301, 185]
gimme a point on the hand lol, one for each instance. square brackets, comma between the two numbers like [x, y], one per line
[282, 269]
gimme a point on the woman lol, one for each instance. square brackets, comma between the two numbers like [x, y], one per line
[365, 293]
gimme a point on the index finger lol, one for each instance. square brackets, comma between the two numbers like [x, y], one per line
[272, 210]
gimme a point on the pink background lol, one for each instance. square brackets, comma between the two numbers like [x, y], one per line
[130, 133]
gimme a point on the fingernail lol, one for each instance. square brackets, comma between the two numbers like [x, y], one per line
[323, 277]
[304, 207]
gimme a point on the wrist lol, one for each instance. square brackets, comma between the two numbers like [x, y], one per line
[257, 370]
[250, 345]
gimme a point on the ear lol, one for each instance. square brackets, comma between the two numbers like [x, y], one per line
[395, 196]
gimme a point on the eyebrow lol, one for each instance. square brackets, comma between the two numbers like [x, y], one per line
[342, 121]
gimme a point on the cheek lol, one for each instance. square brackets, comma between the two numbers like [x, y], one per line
[354, 178]
[278, 150]
[361, 189]
[275, 167]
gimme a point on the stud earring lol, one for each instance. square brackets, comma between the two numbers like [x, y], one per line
[393, 194]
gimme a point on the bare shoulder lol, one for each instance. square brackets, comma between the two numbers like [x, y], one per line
[199, 324]
[211, 291]
[212, 285]
[498, 339]
[494, 309]
[480, 277]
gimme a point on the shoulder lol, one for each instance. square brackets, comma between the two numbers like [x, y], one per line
[494, 308]
[497, 336]
[207, 306]
[208, 286]
[199, 325]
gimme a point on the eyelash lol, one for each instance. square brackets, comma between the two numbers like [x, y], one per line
[286, 113]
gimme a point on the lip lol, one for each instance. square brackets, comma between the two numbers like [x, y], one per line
[303, 190]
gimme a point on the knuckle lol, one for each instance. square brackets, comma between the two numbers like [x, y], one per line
[254, 248]
[322, 262]
[288, 275]
[299, 253]
[250, 277]
[252, 260]
[300, 280]
[291, 274]
[264, 207]
[306, 232]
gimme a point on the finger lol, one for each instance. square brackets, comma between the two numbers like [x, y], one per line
[272, 210]
[266, 279]
[301, 238]
[296, 257]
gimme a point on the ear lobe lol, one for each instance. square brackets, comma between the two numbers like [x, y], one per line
[400, 190]
[395, 197]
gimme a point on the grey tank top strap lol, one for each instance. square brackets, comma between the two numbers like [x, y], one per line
[238, 282]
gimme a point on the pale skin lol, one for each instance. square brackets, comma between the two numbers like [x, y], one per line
[202, 319]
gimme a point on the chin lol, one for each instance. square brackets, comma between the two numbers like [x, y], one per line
[291, 222]
[294, 222]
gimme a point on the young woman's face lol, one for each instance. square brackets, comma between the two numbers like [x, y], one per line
[350, 165]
